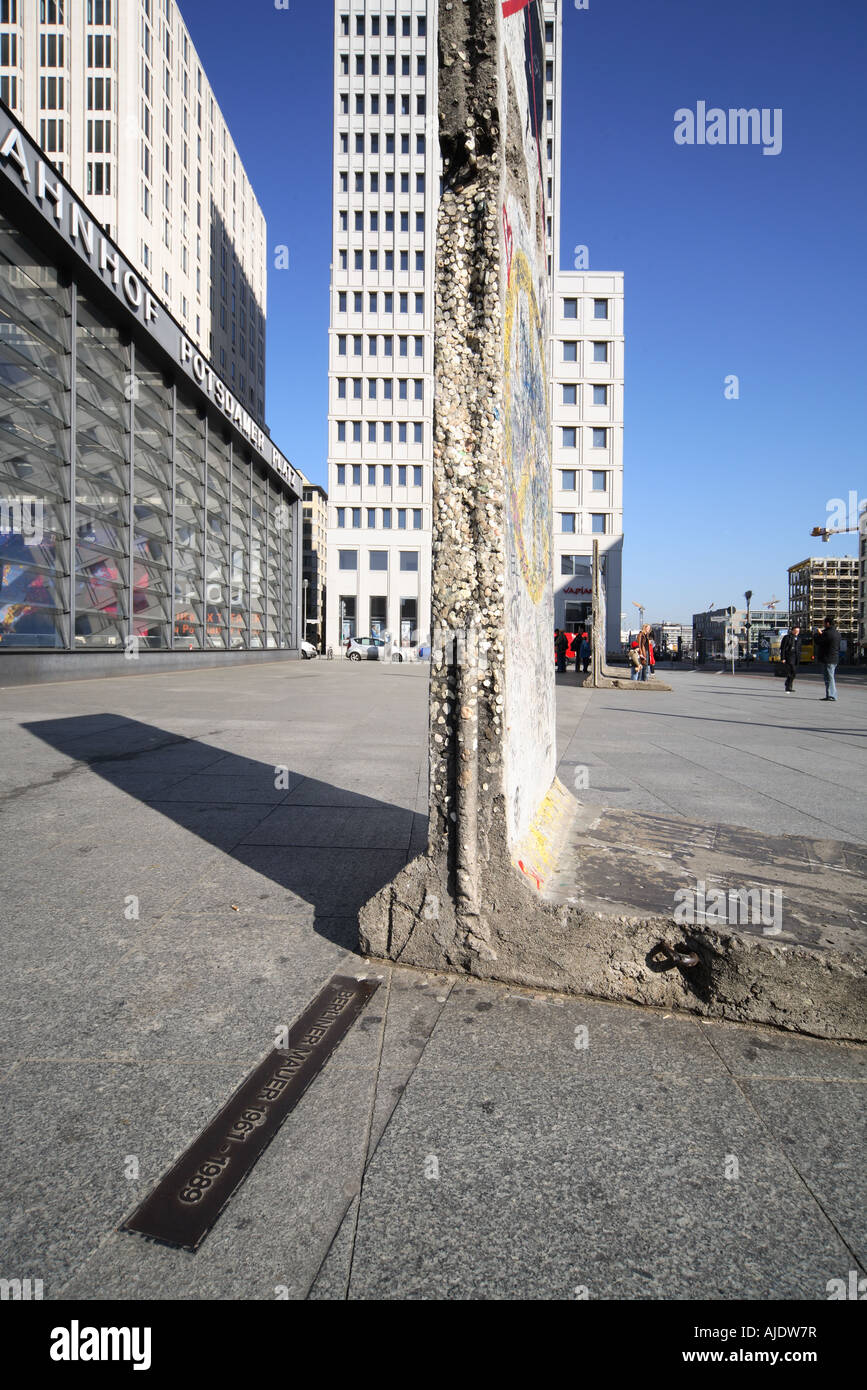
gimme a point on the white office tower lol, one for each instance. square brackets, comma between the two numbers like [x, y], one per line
[587, 420]
[114, 92]
[387, 170]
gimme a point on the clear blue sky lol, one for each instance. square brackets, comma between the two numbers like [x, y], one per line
[735, 262]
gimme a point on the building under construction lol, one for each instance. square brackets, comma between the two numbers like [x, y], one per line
[820, 587]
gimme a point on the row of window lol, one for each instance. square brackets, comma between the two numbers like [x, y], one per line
[377, 303]
[387, 350]
[569, 523]
[390, 65]
[570, 394]
[373, 260]
[390, 25]
[378, 560]
[390, 142]
[600, 308]
[390, 104]
[387, 432]
[569, 480]
[353, 472]
[569, 437]
[351, 517]
[54, 12]
[388, 183]
[373, 219]
[403, 385]
[570, 351]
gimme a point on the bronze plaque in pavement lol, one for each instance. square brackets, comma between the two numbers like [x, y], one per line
[185, 1203]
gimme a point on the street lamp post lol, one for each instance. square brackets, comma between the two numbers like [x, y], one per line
[304, 584]
[748, 596]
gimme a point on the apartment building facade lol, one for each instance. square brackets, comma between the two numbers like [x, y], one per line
[587, 417]
[115, 94]
[386, 187]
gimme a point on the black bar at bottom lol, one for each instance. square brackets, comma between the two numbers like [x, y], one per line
[186, 1202]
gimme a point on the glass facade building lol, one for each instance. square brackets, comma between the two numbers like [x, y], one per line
[135, 513]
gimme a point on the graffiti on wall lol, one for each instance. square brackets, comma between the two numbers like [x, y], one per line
[527, 454]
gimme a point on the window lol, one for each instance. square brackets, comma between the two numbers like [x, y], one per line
[419, 347]
[386, 518]
[371, 432]
[417, 434]
[416, 475]
[387, 389]
[570, 395]
[356, 516]
[341, 302]
[574, 564]
[341, 517]
[401, 518]
[567, 479]
[341, 474]
[598, 481]
[356, 431]
[600, 308]
[570, 308]
[356, 388]
[356, 344]
[570, 437]
[600, 395]
[401, 433]
[371, 388]
[600, 352]
[386, 475]
[341, 388]
[386, 432]
[378, 559]
[371, 475]
[341, 345]
[409, 561]
[401, 475]
[371, 517]
[416, 519]
[419, 389]
[598, 523]
[570, 352]
[600, 439]
[567, 522]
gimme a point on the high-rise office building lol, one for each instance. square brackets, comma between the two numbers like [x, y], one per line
[387, 170]
[587, 427]
[115, 94]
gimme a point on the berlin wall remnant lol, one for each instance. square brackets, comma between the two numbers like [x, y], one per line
[500, 822]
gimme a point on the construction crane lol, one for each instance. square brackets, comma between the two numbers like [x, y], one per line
[640, 607]
[772, 602]
[827, 531]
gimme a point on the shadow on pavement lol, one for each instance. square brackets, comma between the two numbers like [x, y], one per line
[328, 846]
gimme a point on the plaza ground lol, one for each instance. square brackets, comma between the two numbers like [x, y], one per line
[184, 858]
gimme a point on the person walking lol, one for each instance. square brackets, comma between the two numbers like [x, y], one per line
[790, 655]
[645, 651]
[560, 649]
[571, 654]
[634, 661]
[584, 653]
[829, 655]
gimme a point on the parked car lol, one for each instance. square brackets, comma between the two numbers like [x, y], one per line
[308, 651]
[365, 648]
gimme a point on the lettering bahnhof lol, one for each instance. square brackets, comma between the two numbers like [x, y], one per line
[165, 513]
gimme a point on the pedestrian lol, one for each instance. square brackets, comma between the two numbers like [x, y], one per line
[560, 649]
[790, 655]
[645, 648]
[635, 661]
[584, 653]
[829, 655]
[570, 650]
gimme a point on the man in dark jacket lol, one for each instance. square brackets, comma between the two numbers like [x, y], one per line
[790, 653]
[560, 645]
[829, 655]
